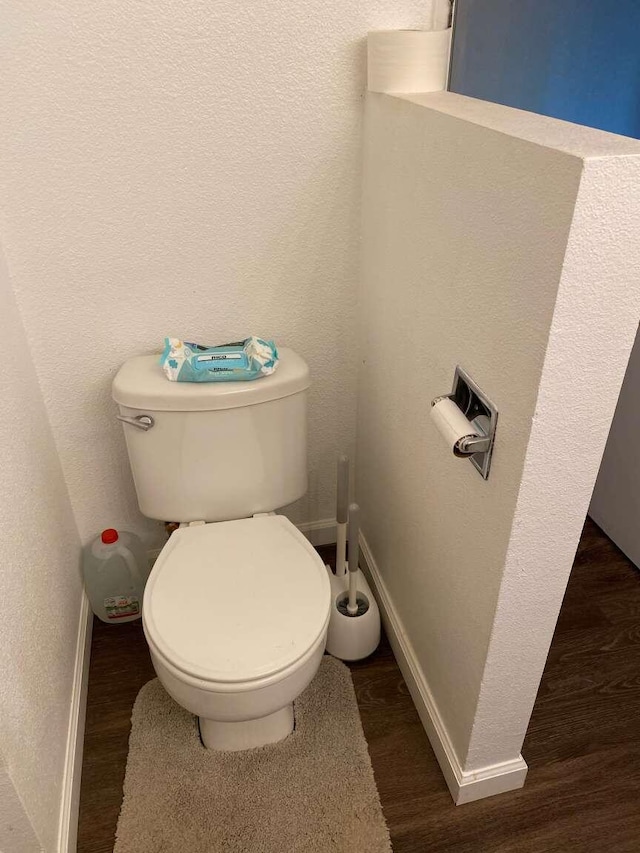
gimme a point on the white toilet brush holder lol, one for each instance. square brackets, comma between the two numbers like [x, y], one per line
[352, 637]
[354, 624]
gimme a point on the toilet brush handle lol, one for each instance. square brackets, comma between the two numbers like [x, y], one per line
[354, 537]
[354, 554]
[342, 507]
[342, 514]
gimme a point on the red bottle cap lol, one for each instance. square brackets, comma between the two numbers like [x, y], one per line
[109, 536]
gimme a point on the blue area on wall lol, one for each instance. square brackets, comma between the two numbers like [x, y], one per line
[577, 60]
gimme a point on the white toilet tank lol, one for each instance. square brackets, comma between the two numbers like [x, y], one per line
[217, 450]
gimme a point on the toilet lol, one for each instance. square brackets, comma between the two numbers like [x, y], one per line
[237, 605]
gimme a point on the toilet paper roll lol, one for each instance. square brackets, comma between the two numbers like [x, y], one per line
[407, 60]
[450, 421]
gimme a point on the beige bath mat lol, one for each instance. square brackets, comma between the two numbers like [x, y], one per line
[312, 793]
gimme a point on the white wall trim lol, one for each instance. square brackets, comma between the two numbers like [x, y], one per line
[68, 830]
[465, 786]
[321, 532]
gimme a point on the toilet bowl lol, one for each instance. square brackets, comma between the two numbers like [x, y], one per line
[236, 616]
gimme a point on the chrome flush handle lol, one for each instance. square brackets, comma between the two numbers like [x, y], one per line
[143, 422]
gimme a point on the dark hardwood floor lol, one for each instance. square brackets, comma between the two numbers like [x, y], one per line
[583, 745]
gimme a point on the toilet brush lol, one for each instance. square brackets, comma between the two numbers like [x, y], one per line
[353, 604]
[354, 559]
[342, 515]
[354, 623]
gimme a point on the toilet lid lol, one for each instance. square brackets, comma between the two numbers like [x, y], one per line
[236, 600]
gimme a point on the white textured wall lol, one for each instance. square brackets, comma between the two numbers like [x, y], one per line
[41, 589]
[615, 504]
[16, 832]
[501, 241]
[191, 168]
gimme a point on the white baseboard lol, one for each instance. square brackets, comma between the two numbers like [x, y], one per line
[68, 832]
[465, 786]
[321, 532]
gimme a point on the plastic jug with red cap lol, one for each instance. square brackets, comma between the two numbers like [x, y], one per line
[115, 570]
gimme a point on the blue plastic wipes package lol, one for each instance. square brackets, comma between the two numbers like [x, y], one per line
[239, 361]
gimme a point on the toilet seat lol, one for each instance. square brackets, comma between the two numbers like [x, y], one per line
[236, 601]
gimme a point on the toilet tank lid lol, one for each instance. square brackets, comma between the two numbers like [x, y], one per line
[141, 384]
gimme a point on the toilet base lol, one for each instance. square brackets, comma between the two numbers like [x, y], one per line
[248, 734]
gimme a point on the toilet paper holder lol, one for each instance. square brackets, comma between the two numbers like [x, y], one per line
[482, 416]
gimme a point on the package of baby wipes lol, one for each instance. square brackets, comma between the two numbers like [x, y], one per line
[239, 361]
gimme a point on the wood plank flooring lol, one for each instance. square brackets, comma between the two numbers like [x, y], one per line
[583, 745]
